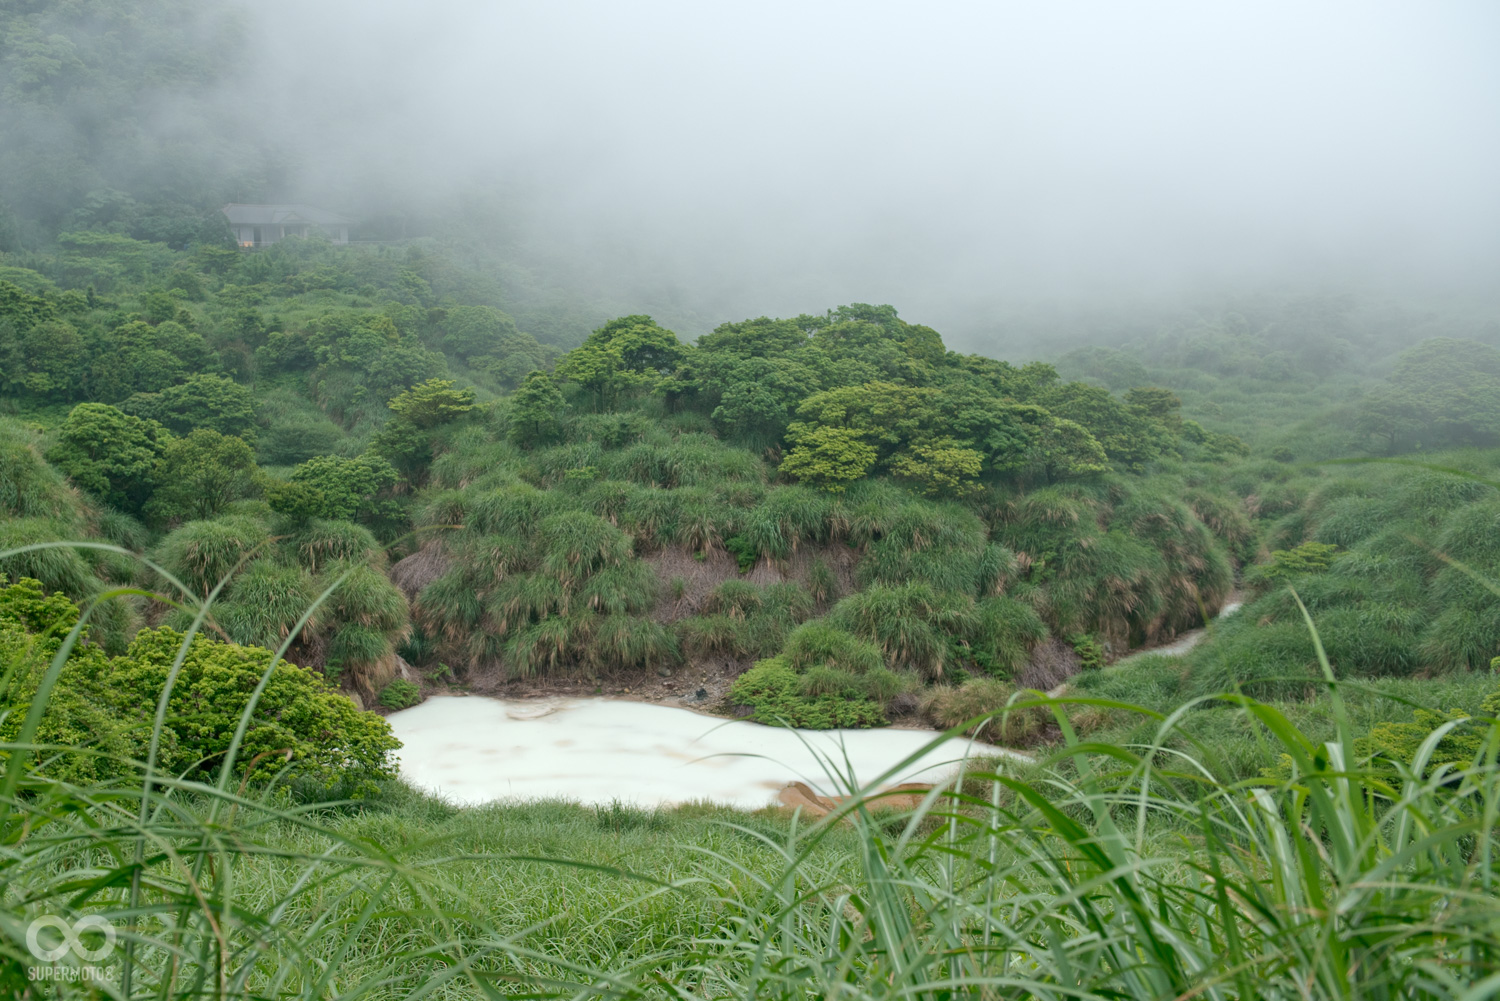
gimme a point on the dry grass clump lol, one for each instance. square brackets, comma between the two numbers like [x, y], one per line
[985, 705]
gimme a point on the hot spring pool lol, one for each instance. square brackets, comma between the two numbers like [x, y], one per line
[470, 749]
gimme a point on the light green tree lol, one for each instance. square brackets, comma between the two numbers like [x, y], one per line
[536, 410]
[1065, 449]
[828, 457]
[433, 403]
[940, 467]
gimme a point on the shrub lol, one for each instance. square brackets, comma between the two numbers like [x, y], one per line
[300, 724]
[1287, 564]
[330, 741]
[777, 697]
[401, 694]
[1090, 652]
[1398, 742]
[745, 554]
[32, 625]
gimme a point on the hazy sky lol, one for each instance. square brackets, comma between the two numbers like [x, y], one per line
[939, 156]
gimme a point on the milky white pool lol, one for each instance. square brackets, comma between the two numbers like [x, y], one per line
[470, 749]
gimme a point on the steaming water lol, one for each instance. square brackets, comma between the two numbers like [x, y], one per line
[476, 750]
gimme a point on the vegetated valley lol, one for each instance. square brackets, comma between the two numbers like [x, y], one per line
[253, 499]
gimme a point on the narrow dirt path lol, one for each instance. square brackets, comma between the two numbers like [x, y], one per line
[1186, 641]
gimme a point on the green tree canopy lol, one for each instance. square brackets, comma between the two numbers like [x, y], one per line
[758, 397]
[137, 357]
[1065, 449]
[630, 354]
[21, 308]
[49, 360]
[1443, 392]
[432, 404]
[1131, 435]
[418, 415]
[204, 400]
[487, 340]
[110, 454]
[336, 487]
[200, 474]
[536, 410]
[475, 330]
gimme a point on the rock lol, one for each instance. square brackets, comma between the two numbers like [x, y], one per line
[663, 672]
[534, 710]
[800, 794]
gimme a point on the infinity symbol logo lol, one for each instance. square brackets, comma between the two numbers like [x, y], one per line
[71, 938]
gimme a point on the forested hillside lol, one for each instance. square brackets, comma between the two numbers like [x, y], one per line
[866, 516]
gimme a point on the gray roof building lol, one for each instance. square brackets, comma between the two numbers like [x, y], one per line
[263, 225]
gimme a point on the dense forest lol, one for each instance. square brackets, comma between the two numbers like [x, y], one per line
[422, 463]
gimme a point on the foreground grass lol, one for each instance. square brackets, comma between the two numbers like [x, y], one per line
[1234, 744]
[1103, 873]
[1123, 869]
[605, 887]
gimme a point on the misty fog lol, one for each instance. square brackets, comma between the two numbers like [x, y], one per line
[948, 158]
[979, 165]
